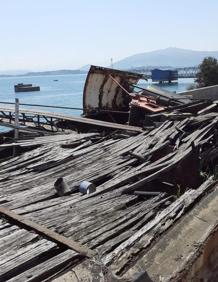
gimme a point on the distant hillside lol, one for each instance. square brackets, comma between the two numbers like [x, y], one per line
[55, 72]
[85, 68]
[174, 57]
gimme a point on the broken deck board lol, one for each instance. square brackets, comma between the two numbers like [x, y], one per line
[114, 222]
[53, 236]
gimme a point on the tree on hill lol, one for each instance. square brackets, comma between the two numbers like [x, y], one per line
[208, 72]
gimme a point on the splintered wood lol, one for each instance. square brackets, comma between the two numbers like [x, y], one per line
[176, 159]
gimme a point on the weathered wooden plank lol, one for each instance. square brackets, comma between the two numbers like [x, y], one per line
[24, 258]
[47, 268]
[107, 219]
[53, 236]
[156, 226]
[16, 251]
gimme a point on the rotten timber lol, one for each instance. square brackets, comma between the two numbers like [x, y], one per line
[49, 234]
[143, 186]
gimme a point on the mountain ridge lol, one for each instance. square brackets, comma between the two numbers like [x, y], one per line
[52, 72]
[171, 56]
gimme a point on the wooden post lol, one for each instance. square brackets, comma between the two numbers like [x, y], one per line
[16, 123]
[10, 117]
[52, 129]
[38, 121]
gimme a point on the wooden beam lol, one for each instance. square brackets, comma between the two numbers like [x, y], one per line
[49, 234]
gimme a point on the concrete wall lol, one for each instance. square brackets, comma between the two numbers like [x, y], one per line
[210, 92]
[205, 267]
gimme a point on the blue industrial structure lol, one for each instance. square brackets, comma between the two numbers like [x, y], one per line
[164, 75]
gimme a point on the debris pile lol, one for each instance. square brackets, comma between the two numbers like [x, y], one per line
[113, 192]
[118, 96]
[144, 184]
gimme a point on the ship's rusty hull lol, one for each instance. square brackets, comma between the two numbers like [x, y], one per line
[114, 96]
[106, 92]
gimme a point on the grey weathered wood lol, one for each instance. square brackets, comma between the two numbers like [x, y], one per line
[47, 268]
[175, 210]
[115, 224]
[53, 236]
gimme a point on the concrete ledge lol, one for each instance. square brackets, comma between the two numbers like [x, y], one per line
[188, 251]
[210, 92]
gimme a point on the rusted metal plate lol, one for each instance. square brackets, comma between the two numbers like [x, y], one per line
[102, 92]
[147, 104]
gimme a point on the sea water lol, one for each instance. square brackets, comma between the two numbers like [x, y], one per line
[62, 90]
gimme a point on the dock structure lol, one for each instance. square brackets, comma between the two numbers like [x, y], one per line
[42, 119]
[148, 218]
[183, 72]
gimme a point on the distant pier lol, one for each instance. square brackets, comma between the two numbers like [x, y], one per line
[186, 72]
[162, 75]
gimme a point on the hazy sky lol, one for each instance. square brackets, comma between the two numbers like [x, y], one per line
[53, 34]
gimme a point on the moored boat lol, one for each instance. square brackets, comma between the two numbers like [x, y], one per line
[21, 87]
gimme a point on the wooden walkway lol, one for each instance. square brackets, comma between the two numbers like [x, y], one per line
[41, 118]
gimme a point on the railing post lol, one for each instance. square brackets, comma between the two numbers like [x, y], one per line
[16, 123]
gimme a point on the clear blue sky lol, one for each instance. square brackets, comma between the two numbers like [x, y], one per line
[53, 34]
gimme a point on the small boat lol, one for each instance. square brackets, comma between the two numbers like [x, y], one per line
[55, 80]
[21, 87]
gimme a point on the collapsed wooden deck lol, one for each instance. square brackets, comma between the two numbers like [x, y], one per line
[176, 159]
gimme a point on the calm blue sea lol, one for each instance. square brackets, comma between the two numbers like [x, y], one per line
[67, 91]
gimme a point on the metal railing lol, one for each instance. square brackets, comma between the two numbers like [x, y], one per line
[43, 106]
[62, 107]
